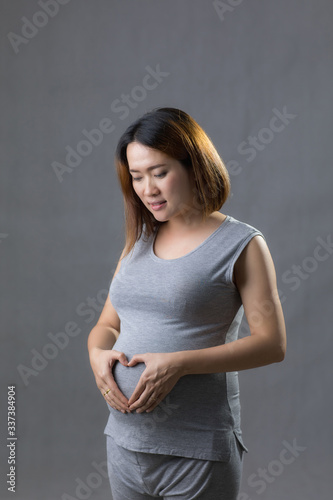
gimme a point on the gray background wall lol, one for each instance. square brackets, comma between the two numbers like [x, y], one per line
[233, 68]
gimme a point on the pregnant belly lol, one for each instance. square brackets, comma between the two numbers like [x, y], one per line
[127, 377]
[130, 343]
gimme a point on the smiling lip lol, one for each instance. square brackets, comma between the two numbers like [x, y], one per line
[157, 205]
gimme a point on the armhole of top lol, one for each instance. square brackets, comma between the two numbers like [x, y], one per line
[239, 250]
[122, 261]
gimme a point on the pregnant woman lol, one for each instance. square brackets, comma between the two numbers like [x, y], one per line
[165, 351]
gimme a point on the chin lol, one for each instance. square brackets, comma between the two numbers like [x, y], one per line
[161, 218]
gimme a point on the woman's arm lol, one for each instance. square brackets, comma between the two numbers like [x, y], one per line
[103, 335]
[255, 278]
[106, 331]
[102, 358]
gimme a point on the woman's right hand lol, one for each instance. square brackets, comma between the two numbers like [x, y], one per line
[102, 362]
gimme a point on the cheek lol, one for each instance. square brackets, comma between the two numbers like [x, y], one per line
[136, 189]
[179, 188]
[171, 185]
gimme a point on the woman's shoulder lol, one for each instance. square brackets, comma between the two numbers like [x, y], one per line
[240, 227]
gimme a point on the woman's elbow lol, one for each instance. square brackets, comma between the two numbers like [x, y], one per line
[274, 350]
[279, 352]
[280, 356]
[278, 344]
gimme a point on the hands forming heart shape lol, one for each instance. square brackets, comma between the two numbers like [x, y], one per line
[161, 374]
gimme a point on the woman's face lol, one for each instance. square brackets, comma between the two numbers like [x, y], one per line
[162, 183]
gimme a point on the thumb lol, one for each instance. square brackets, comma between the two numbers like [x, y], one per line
[137, 358]
[122, 359]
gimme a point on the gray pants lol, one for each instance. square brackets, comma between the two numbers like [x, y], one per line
[138, 476]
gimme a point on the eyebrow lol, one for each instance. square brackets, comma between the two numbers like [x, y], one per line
[149, 168]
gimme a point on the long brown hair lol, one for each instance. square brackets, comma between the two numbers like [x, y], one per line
[178, 135]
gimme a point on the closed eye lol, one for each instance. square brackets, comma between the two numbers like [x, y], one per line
[159, 176]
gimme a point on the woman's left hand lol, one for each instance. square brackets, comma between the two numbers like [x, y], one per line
[160, 376]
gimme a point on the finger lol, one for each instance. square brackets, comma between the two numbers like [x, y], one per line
[156, 402]
[120, 356]
[142, 401]
[114, 395]
[116, 392]
[115, 406]
[137, 358]
[149, 405]
[114, 402]
[117, 396]
[138, 391]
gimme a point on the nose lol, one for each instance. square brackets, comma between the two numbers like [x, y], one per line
[150, 187]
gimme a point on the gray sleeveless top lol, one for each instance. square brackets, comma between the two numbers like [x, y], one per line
[172, 305]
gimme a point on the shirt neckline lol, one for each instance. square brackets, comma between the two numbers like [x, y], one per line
[159, 259]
